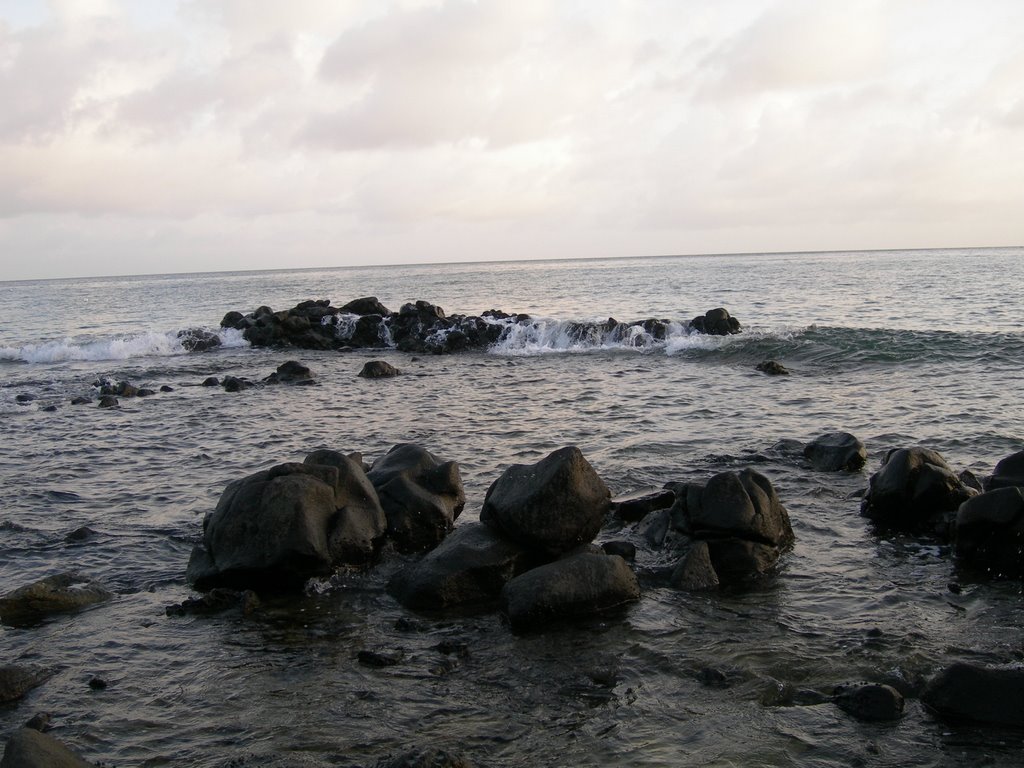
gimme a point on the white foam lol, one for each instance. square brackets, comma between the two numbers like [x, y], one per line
[545, 336]
[150, 344]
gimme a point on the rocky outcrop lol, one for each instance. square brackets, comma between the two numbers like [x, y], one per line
[28, 748]
[549, 507]
[60, 593]
[576, 586]
[989, 533]
[915, 491]
[378, 369]
[279, 527]
[836, 452]
[965, 691]
[1009, 472]
[421, 496]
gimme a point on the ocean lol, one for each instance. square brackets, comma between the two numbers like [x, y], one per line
[898, 347]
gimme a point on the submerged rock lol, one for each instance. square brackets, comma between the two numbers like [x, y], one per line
[16, 680]
[915, 491]
[60, 593]
[421, 496]
[973, 692]
[872, 702]
[836, 452]
[550, 507]
[772, 368]
[989, 533]
[573, 587]
[378, 369]
[28, 748]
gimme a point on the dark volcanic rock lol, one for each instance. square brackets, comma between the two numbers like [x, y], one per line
[60, 593]
[360, 524]
[211, 381]
[28, 748]
[366, 306]
[469, 567]
[623, 549]
[198, 340]
[108, 401]
[694, 572]
[973, 692]
[378, 369]
[717, 322]
[552, 506]
[835, 452]
[291, 372]
[914, 491]
[635, 506]
[989, 533]
[1008, 472]
[16, 680]
[216, 601]
[236, 384]
[573, 587]
[81, 401]
[869, 701]
[421, 496]
[772, 368]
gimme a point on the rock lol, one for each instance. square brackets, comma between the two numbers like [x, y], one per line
[269, 529]
[989, 533]
[108, 401]
[60, 593]
[166, 388]
[81, 401]
[369, 331]
[717, 322]
[425, 758]
[144, 392]
[836, 452]
[741, 505]
[40, 721]
[1008, 472]
[694, 572]
[421, 496]
[469, 567]
[573, 587]
[98, 683]
[869, 701]
[82, 533]
[379, 659]
[552, 506]
[211, 381]
[915, 491]
[16, 680]
[623, 549]
[378, 369]
[126, 389]
[360, 524]
[968, 691]
[365, 306]
[216, 601]
[291, 372]
[236, 384]
[24, 399]
[28, 748]
[772, 368]
[232, 320]
[635, 506]
[198, 340]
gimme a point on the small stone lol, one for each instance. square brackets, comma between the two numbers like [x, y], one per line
[211, 381]
[623, 549]
[108, 401]
[772, 368]
[166, 388]
[48, 409]
[81, 401]
[97, 683]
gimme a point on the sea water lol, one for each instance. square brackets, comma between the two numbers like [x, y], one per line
[898, 347]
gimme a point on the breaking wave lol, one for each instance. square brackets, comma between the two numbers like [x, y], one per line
[149, 344]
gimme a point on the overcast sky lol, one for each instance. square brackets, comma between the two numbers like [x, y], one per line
[142, 136]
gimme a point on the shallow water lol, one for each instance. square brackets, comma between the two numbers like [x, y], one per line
[899, 348]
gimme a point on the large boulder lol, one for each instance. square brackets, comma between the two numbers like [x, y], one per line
[1009, 472]
[989, 533]
[368, 305]
[28, 748]
[60, 593]
[966, 691]
[836, 452]
[552, 506]
[915, 491]
[576, 586]
[469, 567]
[421, 496]
[277, 528]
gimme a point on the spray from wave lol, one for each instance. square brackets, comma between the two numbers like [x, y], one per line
[149, 344]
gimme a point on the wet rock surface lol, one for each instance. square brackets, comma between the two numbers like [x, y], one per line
[986, 694]
[28, 748]
[60, 593]
[836, 452]
[18, 679]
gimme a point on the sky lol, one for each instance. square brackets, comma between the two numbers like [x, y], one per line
[155, 136]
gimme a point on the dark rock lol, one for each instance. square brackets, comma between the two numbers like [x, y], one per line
[97, 683]
[421, 496]
[216, 601]
[914, 491]
[835, 452]
[108, 401]
[61, 593]
[634, 506]
[28, 748]
[291, 372]
[623, 549]
[772, 368]
[967, 691]
[145, 392]
[989, 533]
[366, 306]
[166, 388]
[1008, 472]
[24, 398]
[236, 384]
[742, 505]
[81, 401]
[211, 381]
[83, 533]
[198, 340]
[378, 369]
[869, 701]
[425, 758]
[717, 322]
[694, 571]
[16, 680]
[232, 320]
[573, 587]
[40, 721]
[469, 567]
[368, 331]
[126, 389]
[360, 524]
[379, 659]
[48, 408]
[552, 506]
